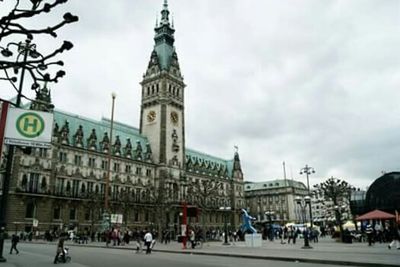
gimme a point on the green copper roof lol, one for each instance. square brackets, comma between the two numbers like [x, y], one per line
[103, 126]
[208, 163]
[273, 184]
[164, 39]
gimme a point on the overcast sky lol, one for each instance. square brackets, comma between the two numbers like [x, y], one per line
[305, 82]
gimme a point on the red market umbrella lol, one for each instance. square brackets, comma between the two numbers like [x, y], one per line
[375, 215]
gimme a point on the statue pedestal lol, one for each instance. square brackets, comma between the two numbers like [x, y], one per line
[253, 240]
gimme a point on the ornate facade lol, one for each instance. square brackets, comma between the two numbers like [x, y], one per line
[152, 172]
[274, 201]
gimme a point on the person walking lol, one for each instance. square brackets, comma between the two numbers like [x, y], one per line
[148, 238]
[14, 242]
[60, 249]
[395, 234]
[369, 231]
[192, 238]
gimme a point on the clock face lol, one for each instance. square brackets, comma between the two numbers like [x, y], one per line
[151, 116]
[174, 117]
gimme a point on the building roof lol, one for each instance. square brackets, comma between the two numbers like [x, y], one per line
[384, 193]
[210, 162]
[273, 184]
[201, 162]
[102, 126]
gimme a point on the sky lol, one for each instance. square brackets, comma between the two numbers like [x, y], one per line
[300, 82]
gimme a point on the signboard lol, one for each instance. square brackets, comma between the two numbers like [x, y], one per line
[28, 128]
[183, 229]
[35, 223]
[106, 222]
[116, 218]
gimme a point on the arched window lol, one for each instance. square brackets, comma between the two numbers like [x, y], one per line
[30, 211]
[43, 184]
[24, 182]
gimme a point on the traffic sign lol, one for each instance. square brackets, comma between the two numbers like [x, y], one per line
[28, 128]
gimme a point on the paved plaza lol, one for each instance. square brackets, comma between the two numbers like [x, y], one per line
[327, 251]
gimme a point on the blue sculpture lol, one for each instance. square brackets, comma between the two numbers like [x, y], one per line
[246, 226]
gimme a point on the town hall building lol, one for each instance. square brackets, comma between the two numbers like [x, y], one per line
[152, 174]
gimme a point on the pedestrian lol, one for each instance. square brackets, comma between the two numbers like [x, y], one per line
[60, 249]
[290, 234]
[14, 242]
[192, 238]
[295, 234]
[395, 234]
[138, 238]
[369, 231]
[148, 238]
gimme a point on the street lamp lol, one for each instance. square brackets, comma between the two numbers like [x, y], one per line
[303, 202]
[36, 65]
[24, 49]
[308, 170]
[269, 217]
[226, 209]
[106, 215]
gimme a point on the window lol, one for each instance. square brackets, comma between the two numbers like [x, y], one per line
[92, 162]
[115, 191]
[62, 157]
[139, 171]
[128, 168]
[59, 185]
[30, 209]
[148, 172]
[87, 214]
[116, 167]
[43, 152]
[33, 185]
[77, 160]
[104, 164]
[75, 188]
[57, 213]
[72, 214]
[90, 187]
[136, 217]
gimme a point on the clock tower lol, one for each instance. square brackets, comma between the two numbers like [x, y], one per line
[162, 108]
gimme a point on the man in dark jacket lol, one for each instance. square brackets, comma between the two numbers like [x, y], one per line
[60, 249]
[14, 242]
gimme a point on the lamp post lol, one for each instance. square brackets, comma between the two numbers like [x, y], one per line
[308, 170]
[106, 214]
[225, 209]
[24, 49]
[269, 214]
[303, 202]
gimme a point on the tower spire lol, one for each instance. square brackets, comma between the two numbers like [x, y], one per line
[165, 13]
[42, 101]
[164, 39]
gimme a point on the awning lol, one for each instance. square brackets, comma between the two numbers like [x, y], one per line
[375, 215]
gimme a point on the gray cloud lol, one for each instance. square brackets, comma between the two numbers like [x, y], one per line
[303, 82]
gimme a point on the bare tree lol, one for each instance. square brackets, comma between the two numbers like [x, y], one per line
[27, 58]
[201, 194]
[338, 191]
[93, 202]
